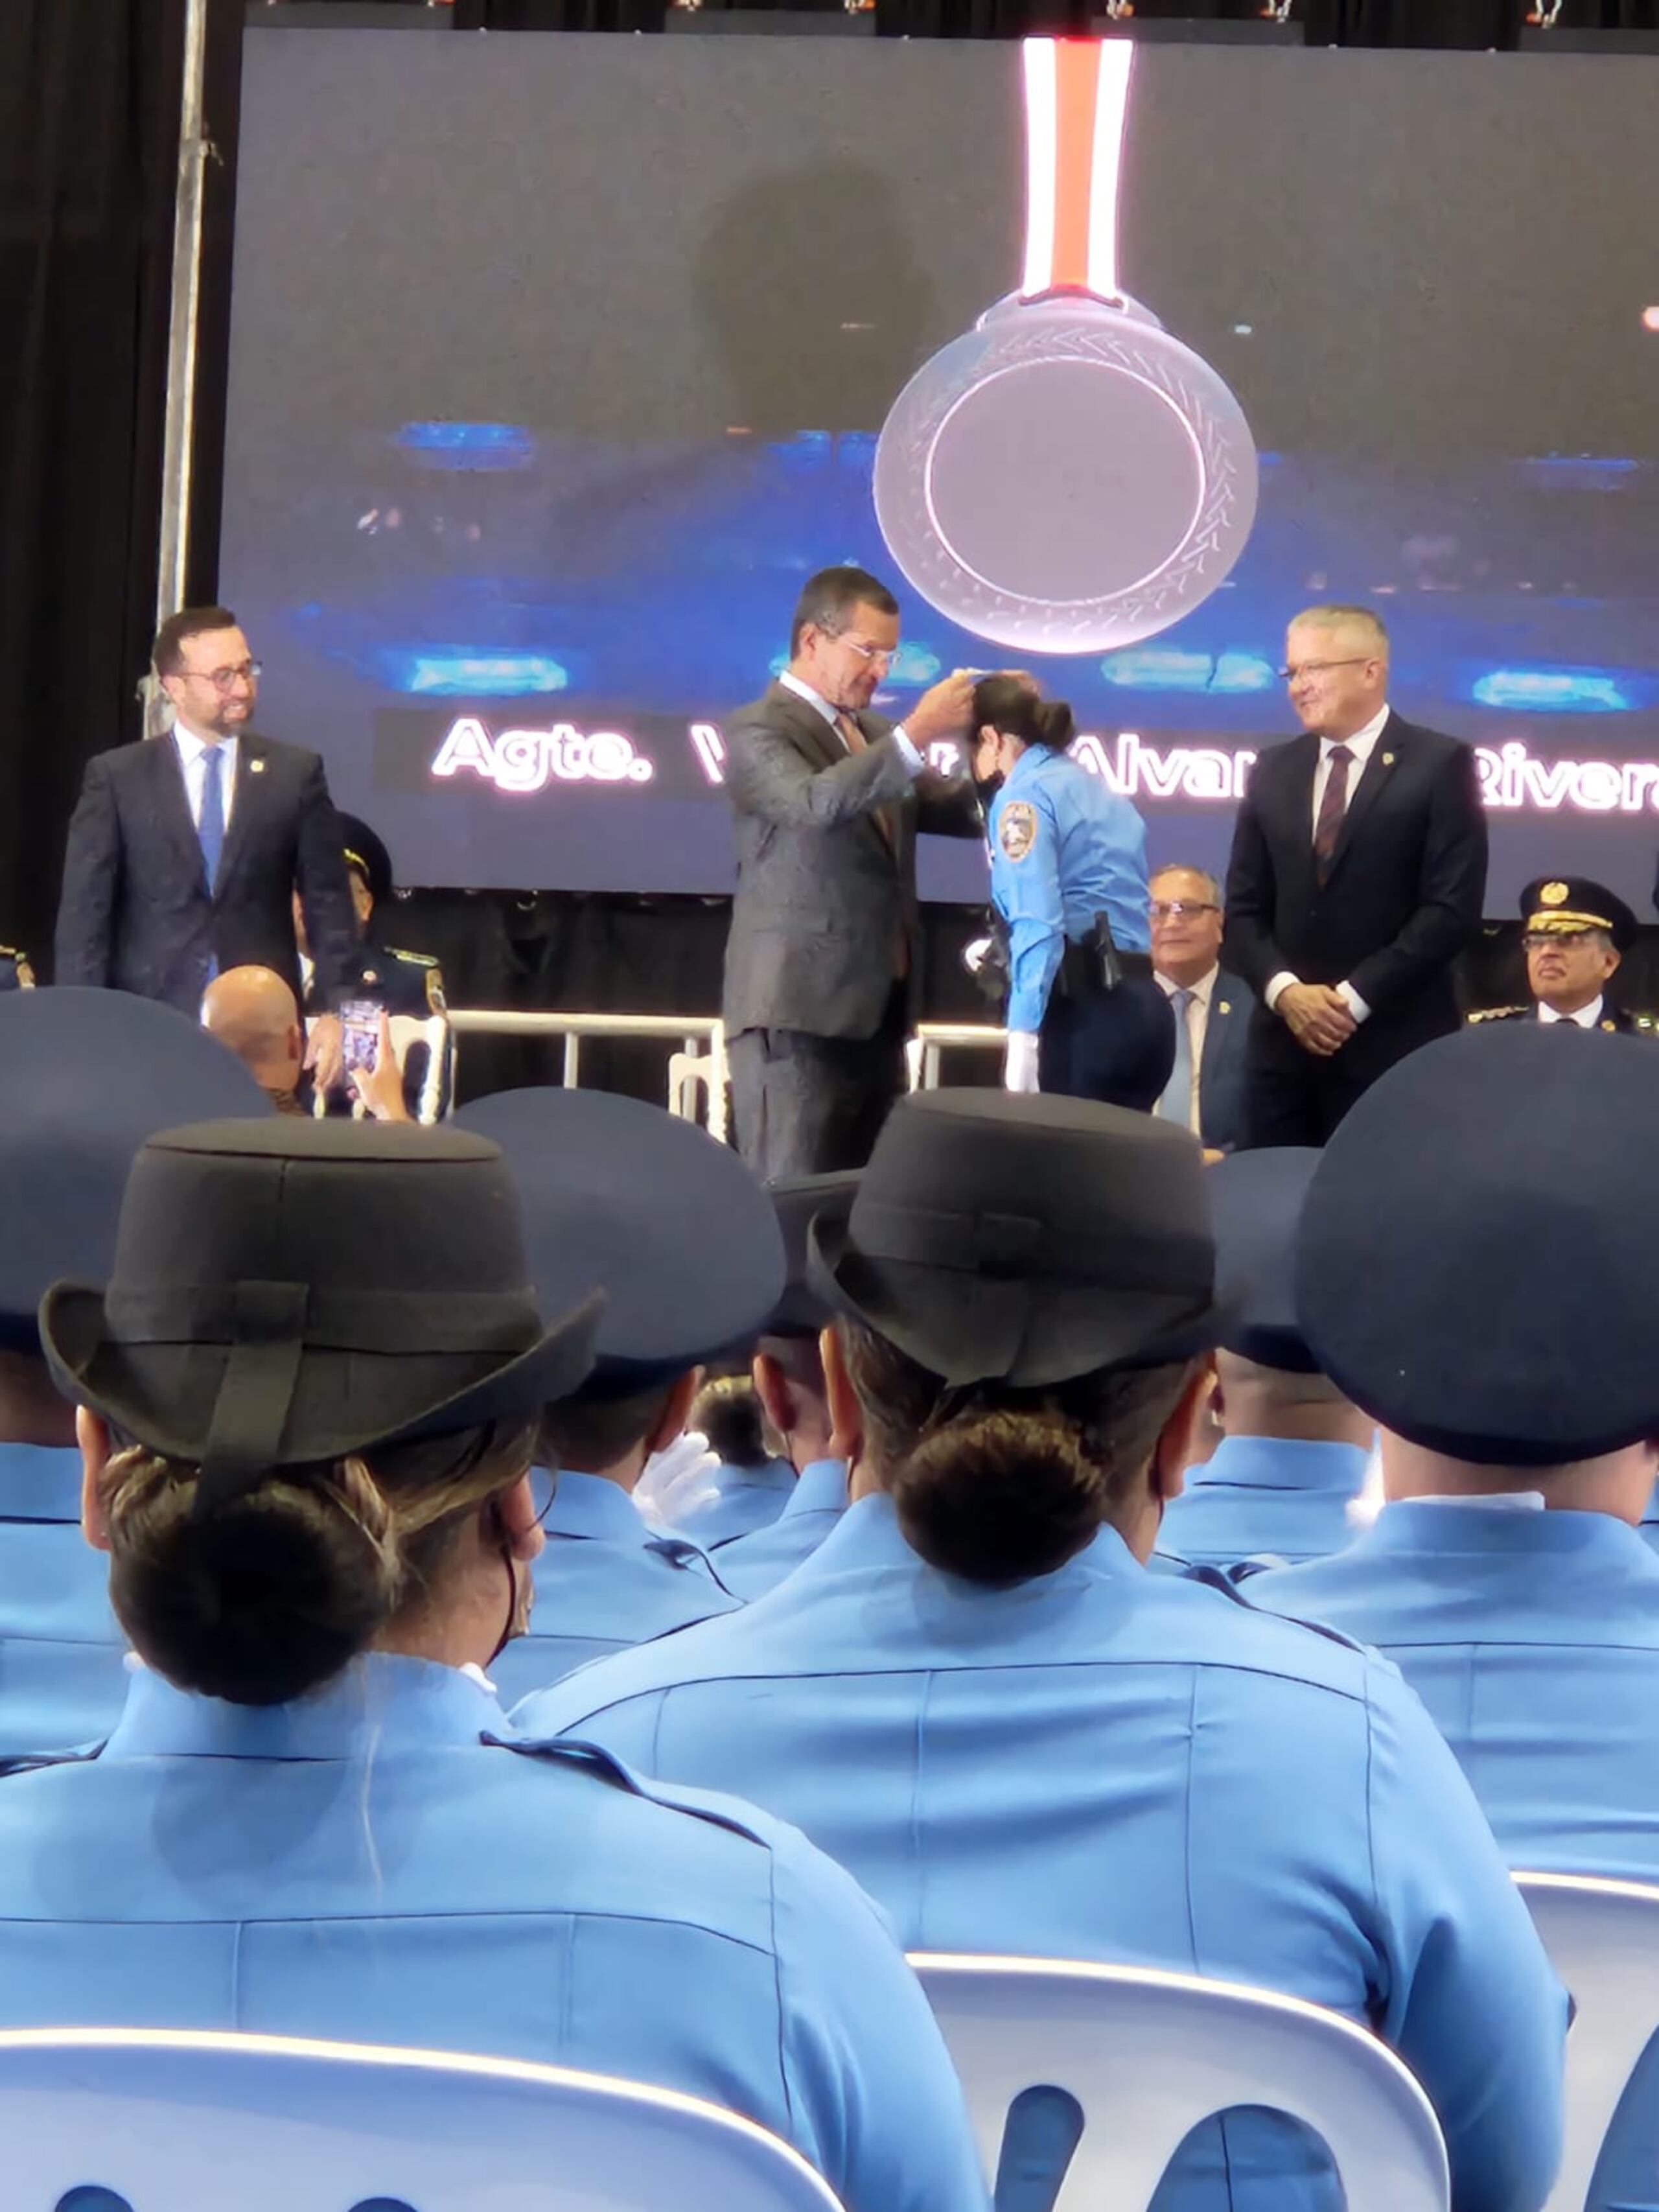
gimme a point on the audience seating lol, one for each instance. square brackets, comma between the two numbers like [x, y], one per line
[1603, 1941]
[1150, 2055]
[125, 2120]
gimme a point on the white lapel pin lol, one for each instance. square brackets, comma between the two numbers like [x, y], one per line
[1388, 760]
[1225, 1007]
[256, 768]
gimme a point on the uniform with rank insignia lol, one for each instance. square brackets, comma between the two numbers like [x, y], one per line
[1577, 933]
[295, 1831]
[1068, 881]
[1488, 1298]
[974, 1697]
[684, 1242]
[410, 985]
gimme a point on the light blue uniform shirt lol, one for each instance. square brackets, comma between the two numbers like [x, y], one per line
[62, 1677]
[361, 1864]
[745, 1498]
[1533, 1638]
[1650, 1520]
[1106, 1764]
[606, 1581]
[1279, 1497]
[1064, 848]
[752, 1565]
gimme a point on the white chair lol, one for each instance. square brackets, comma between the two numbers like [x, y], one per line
[1149, 2055]
[169, 2121]
[1602, 1938]
[438, 1083]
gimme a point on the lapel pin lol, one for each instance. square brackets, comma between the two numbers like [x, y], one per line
[1388, 760]
[1225, 1007]
[256, 768]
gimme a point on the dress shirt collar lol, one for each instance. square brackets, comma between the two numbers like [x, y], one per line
[791, 681]
[1360, 745]
[1495, 1501]
[1586, 1017]
[867, 1539]
[1453, 1525]
[591, 1507]
[821, 1487]
[191, 749]
[383, 1702]
[41, 1482]
[776, 1474]
[1202, 990]
[1282, 1463]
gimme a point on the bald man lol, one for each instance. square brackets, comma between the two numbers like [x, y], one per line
[1358, 875]
[252, 1012]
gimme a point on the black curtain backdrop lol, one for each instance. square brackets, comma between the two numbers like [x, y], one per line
[88, 160]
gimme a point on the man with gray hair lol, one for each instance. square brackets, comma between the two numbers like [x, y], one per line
[1206, 1089]
[1358, 869]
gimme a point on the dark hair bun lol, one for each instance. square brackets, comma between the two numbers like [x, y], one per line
[1000, 1497]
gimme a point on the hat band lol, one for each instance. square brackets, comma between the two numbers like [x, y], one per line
[991, 1242]
[256, 1392]
[415, 1323]
[1554, 922]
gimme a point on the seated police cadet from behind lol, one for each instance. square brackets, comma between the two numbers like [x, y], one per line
[789, 1381]
[977, 1698]
[683, 1242]
[1292, 1456]
[85, 1077]
[311, 1384]
[1488, 1297]
[1068, 881]
[1576, 935]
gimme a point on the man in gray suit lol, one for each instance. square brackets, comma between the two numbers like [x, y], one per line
[1206, 1092]
[827, 798]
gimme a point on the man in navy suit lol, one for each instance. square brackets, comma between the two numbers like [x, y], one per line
[1358, 869]
[1206, 1089]
[185, 852]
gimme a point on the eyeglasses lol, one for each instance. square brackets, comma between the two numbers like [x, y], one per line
[1173, 909]
[249, 671]
[1543, 941]
[1294, 675]
[885, 653]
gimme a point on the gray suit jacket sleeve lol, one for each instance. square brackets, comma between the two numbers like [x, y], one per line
[767, 774]
[91, 878]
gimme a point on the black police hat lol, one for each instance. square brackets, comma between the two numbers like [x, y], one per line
[85, 1078]
[1025, 1239]
[1474, 1200]
[1566, 906]
[800, 1311]
[1257, 1199]
[365, 851]
[288, 1291]
[672, 1225]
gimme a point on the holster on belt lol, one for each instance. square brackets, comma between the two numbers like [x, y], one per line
[1093, 966]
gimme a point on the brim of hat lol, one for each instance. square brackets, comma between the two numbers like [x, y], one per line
[972, 1329]
[164, 1396]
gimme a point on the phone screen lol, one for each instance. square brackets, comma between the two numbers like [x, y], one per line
[359, 1034]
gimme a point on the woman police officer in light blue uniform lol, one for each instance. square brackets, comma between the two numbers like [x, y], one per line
[977, 1699]
[320, 1340]
[1067, 854]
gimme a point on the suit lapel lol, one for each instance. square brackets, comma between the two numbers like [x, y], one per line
[172, 806]
[1298, 799]
[1378, 769]
[1215, 1030]
[807, 727]
[251, 776]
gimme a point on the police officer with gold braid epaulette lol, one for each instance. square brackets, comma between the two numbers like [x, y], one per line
[1577, 933]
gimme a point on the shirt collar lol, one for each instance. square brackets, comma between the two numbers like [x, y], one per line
[41, 1482]
[791, 681]
[382, 1702]
[776, 1474]
[1283, 1463]
[1361, 743]
[867, 1537]
[1461, 1525]
[1586, 1017]
[1203, 990]
[821, 1487]
[191, 748]
[590, 1507]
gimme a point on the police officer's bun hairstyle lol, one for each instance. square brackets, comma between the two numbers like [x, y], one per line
[1009, 704]
[997, 1484]
[269, 1594]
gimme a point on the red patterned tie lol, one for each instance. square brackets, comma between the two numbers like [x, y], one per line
[1332, 806]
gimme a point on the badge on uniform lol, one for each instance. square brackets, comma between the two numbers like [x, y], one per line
[1017, 829]
[434, 991]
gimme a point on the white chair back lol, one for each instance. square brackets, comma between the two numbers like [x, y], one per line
[1602, 1938]
[437, 1084]
[155, 2120]
[1150, 2055]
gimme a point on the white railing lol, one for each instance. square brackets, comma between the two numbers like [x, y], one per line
[696, 1072]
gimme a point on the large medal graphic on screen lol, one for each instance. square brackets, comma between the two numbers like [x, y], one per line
[1068, 476]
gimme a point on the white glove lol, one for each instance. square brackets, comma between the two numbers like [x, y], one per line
[974, 955]
[1019, 1066]
[677, 1481]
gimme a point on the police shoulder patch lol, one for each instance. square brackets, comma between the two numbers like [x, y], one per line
[1017, 829]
